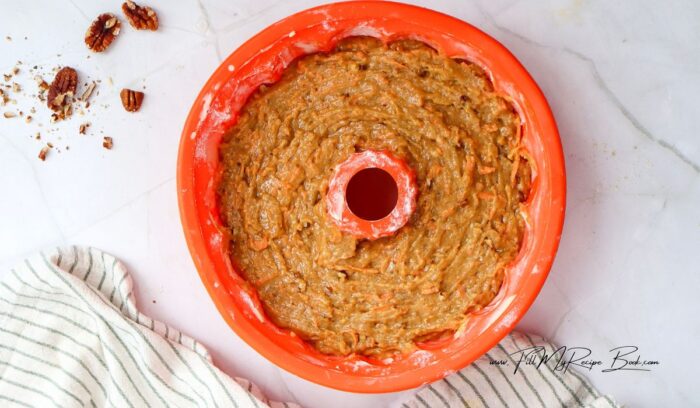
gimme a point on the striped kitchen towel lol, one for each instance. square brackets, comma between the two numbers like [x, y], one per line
[71, 336]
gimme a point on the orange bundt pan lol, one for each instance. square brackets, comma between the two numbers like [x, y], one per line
[261, 60]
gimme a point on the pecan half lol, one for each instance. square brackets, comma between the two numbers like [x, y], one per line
[140, 17]
[62, 89]
[102, 32]
[131, 100]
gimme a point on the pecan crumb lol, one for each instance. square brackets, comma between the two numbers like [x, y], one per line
[43, 152]
[84, 127]
[107, 142]
[131, 99]
[43, 85]
[88, 91]
[102, 32]
[140, 17]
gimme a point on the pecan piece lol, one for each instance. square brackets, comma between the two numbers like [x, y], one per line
[62, 89]
[131, 100]
[107, 142]
[140, 17]
[88, 91]
[43, 152]
[41, 84]
[102, 32]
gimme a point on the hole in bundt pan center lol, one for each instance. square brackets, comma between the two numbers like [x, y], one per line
[371, 194]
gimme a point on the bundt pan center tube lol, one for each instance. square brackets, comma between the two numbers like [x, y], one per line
[372, 194]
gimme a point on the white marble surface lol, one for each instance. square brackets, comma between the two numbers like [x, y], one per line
[622, 78]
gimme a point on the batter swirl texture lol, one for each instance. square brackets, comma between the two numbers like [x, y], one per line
[441, 116]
